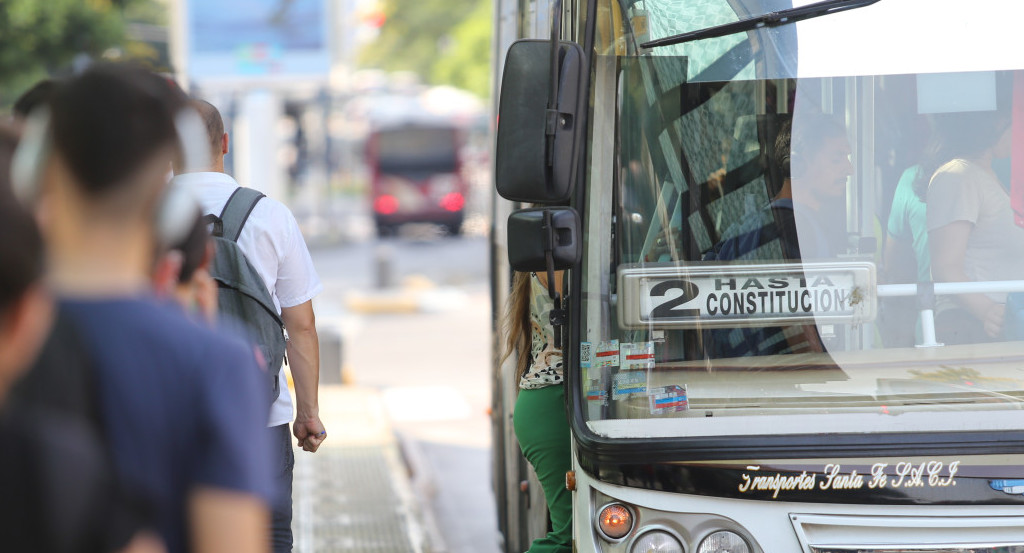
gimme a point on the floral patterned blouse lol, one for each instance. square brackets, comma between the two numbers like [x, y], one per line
[545, 359]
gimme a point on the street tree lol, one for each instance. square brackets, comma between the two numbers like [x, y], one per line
[433, 38]
[39, 38]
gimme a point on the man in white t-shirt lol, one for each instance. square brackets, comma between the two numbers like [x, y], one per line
[272, 242]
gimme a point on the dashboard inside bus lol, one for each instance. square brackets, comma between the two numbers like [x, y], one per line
[812, 230]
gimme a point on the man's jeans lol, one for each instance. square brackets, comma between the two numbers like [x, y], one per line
[284, 463]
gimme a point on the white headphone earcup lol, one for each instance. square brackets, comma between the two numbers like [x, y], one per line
[176, 215]
[179, 208]
[30, 157]
[195, 144]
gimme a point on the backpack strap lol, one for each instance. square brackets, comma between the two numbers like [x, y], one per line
[237, 210]
[215, 224]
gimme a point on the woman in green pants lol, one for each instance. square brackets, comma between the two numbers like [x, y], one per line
[539, 417]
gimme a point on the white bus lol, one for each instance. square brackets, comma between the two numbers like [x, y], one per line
[794, 239]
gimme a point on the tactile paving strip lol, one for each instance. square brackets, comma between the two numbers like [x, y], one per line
[346, 500]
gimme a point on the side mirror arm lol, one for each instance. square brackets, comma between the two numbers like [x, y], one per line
[558, 314]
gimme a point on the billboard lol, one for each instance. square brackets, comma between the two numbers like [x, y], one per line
[259, 40]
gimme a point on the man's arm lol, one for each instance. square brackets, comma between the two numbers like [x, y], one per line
[224, 520]
[304, 362]
[948, 245]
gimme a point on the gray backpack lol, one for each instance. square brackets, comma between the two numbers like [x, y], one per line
[242, 294]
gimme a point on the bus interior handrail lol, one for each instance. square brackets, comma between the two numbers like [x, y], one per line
[953, 288]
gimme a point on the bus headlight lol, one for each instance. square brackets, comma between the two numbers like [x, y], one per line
[615, 521]
[657, 541]
[723, 541]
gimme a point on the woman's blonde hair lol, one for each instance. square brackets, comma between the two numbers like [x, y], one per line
[516, 324]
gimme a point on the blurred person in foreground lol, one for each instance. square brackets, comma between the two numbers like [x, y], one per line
[59, 493]
[35, 96]
[271, 241]
[180, 405]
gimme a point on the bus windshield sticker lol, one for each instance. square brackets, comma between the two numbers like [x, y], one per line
[629, 384]
[586, 355]
[668, 399]
[596, 392]
[1012, 487]
[692, 296]
[639, 22]
[637, 356]
[607, 355]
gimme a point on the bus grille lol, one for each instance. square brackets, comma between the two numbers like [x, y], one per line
[983, 549]
[897, 534]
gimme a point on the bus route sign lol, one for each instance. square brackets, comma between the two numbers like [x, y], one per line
[726, 295]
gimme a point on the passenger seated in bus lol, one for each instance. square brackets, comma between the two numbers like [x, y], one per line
[971, 230]
[798, 223]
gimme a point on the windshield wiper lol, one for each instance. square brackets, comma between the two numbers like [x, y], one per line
[772, 19]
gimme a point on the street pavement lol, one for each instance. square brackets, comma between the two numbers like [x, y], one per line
[409, 427]
[353, 495]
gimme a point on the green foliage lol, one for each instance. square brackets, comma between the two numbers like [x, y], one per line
[467, 64]
[43, 37]
[444, 41]
[147, 11]
[48, 35]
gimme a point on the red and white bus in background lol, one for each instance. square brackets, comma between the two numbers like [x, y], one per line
[417, 174]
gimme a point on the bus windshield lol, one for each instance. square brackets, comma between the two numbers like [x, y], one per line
[809, 234]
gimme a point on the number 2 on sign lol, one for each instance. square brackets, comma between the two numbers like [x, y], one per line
[667, 309]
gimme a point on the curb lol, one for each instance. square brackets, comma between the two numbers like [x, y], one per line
[383, 302]
[424, 488]
[419, 295]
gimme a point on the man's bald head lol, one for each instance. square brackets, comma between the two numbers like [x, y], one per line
[214, 128]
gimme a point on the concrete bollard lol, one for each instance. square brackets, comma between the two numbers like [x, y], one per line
[330, 356]
[384, 266]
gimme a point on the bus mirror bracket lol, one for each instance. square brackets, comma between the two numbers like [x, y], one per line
[537, 143]
[546, 240]
[540, 238]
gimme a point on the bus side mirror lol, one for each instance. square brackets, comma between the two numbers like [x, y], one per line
[536, 149]
[534, 234]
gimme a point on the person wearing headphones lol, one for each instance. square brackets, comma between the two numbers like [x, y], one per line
[59, 493]
[181, 407]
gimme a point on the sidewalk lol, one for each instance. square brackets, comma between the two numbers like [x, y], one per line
[354, 495]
